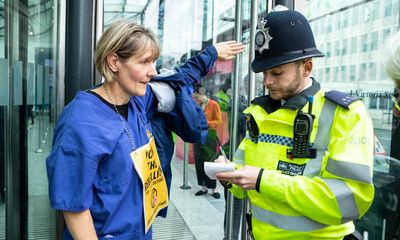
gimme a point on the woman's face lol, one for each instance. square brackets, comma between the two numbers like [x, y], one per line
[134, 74]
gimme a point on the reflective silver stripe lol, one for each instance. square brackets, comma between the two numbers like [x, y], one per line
[313, 166]
[293, 223]
[345, 199]
[349, 170]
[324, 125]
[321, 141]
[239, 156]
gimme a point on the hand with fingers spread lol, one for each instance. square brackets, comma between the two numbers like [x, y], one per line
[245, 177]
[228, 50]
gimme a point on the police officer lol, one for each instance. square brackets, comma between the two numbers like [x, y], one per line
[306, 161]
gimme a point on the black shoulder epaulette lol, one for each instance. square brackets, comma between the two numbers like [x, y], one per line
[340, 98]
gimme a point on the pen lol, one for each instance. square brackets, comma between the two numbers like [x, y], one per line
[226, 184]
[221, 149]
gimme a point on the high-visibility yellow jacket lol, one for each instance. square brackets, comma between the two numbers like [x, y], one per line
[305, 198]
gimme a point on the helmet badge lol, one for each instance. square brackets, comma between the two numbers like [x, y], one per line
[262, 37]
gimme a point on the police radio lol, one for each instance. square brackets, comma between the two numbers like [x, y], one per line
[303, 124]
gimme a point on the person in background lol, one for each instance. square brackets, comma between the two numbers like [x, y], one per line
[391, 64]
[306, 162]
[205, 152]
[222, 98]
[391, 58]
[103, 162]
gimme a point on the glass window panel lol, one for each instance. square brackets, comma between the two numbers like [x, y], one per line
[355, 16]
[338, 22]
[385, 34]
[40, 99]
[322, 48]
[383, 103]
[374, 41]
[328, 49]
[344, 47]
[30, 43]
[372, 71]
[352, 72]
[335, 74]
[321, 75]
[363, 74]
[337, 48]
[364, 43]
[322, 27]
[373, 103]
[388, 8]
[315, 27]
[3, 94]
[343, 73]
[345, 19]
[375, 10]
[366, 12]
[354, 44]
[327, 74]
[329, 24]
[4, 82]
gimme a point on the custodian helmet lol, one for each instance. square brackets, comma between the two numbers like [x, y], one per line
[283, 37]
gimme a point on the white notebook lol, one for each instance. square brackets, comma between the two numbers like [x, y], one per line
[211, 168]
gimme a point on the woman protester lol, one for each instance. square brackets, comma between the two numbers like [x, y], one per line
[103, 169]
[204, 152]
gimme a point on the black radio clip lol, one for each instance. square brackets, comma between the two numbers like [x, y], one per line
[303, 124]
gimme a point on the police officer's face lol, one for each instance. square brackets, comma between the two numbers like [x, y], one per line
[284, 81]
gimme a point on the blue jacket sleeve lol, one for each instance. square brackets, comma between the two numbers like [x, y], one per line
[198, 66]
[191, 72]
[187, 119]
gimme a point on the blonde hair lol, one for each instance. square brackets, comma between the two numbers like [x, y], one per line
[126, 39]
[391, 57]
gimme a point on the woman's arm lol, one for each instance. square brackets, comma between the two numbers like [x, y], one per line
[198, 66]
[80, 225]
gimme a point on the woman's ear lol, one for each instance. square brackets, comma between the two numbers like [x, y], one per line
[112, 61]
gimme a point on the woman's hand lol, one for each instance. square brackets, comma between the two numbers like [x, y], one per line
[228, 50]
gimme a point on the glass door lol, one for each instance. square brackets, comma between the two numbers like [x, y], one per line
[27, 103]
[39, 118]
[3, 101]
